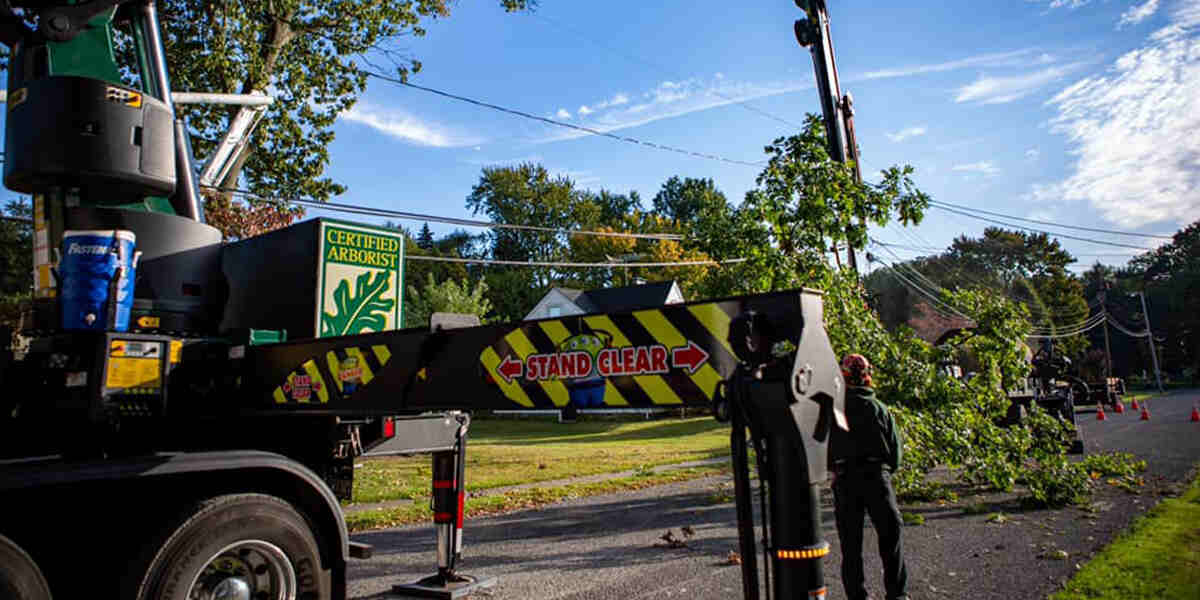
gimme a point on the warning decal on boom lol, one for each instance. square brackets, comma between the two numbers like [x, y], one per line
[663, 356]
[349, 369]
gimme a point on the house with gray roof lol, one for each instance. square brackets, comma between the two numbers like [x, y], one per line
[563, 302]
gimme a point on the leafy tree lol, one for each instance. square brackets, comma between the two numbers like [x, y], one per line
[511, 293]
[527, 195]
[1009, 256]
[16, 248]
[594, 248]
[1030, 267]
[456, 296]
[309, 54]
[425, 238]
[238, 218]
[806, 202]
[16, 261]
[691, 278]
[1170, 278]
[1026, 267]
[681, 201]
[614, 208]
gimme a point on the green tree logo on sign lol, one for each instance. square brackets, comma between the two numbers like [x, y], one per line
[366, 309]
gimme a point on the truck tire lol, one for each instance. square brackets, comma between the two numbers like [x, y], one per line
[239, 545]
[20, 578]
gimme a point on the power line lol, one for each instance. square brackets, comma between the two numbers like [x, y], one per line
[1069, 334]
[1050, 233]
[1051, 223]
[927, 249]
[922, 291]
[585, 265]
[411, 216]
[744, 104]
[557, 123]
[1117, 325]
[1044, 312]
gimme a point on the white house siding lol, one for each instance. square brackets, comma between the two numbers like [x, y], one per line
[553, 299]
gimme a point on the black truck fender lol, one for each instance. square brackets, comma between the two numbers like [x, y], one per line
[235, 469]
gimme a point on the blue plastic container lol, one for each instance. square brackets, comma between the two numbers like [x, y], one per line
[88, 263]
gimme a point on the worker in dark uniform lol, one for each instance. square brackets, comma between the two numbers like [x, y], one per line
[862, 461]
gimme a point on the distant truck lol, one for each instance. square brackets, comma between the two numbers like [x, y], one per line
[1052, 389]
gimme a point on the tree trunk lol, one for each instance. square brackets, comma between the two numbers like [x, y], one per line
[277, 37]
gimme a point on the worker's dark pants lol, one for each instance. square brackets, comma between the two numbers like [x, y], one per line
[869, 490]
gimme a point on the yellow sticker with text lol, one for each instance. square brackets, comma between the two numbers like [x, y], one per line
[133, 372]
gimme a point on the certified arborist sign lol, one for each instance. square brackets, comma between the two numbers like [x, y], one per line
[361, 280]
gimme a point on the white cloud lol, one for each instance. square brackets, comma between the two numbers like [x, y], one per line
[1132, 129]
[670, 99]
[1138, 12]
[580, 178]
[1015, 57]
[409, 128]
[562, 114]
[617, 100]
[906, 133]
[501, 162]
[983, 167]
[1032, 154]
[1068, 4]
[1002, 89]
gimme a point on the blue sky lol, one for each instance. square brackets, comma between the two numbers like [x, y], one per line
[1077, 111]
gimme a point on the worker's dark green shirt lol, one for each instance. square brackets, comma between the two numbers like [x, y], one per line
[872, 437]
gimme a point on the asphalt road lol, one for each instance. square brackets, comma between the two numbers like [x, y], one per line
[605, 547]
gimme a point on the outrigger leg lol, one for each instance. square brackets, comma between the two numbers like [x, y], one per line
[449, 496]
[787, 407]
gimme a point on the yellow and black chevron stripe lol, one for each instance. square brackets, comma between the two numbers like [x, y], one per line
[706, 324]
[324, 376]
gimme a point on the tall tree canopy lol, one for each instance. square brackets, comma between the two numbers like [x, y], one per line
[806, 203]
[681, 201]
[310, 56]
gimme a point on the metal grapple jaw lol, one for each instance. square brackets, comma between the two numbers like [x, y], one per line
[788, 392]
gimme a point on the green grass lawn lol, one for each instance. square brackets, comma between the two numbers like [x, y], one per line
[511, 452]
[419, 512]
[1158, 557]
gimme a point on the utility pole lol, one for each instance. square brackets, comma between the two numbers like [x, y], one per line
[1150, 337]
[1103, 297]
[837, 110]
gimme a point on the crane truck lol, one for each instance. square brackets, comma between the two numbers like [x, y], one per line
[186, 416]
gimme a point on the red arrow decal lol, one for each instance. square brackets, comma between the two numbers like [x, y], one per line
[691, 356]
[510, 368]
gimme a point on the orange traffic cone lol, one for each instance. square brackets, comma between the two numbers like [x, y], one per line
[1120, 408]
[1134, 404]
[1100, 413]
[1145, 411]
[1195, 413]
